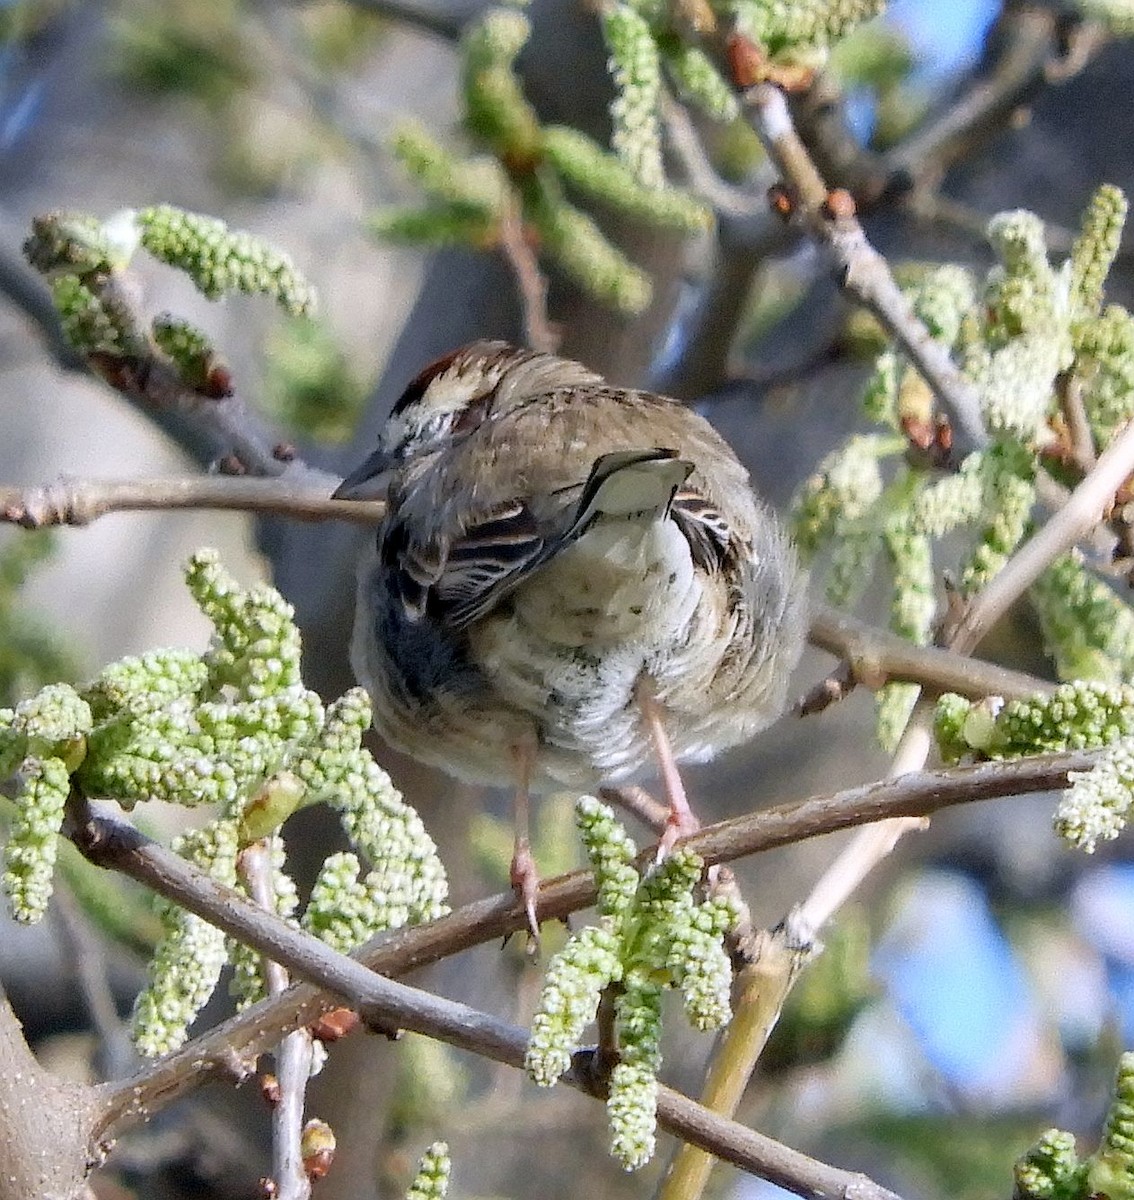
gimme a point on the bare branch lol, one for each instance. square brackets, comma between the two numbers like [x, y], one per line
[293, 1055]
[863, 273]
[1025, 55]
[47, 1125]
[539, 332]
[387, 1003]
[875, 656]
[303, 493]
[1085, 508]
[109, 842]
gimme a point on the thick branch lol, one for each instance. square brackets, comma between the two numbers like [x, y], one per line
[47, 1125]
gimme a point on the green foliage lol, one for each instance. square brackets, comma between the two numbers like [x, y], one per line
[799, 31]
[219, 260]
[1110, 1170]
[1052, 1170]
[653, 933]
[309, 379]
[310, 386]
[1080, 715]
[432, 1179]
[234, 728]
[1030, 337]
[31, 653]
[195, 49]
[635, 67]
[529, 167]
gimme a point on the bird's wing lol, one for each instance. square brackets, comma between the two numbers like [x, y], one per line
[467, 577]
[706, 529]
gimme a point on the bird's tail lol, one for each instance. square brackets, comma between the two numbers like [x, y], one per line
[631, 484]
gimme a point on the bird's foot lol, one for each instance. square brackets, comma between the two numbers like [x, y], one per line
[679, 824]
[525, 879]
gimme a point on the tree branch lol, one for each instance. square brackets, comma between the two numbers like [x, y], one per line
[293, 1054]
[1023, 51]
[1085, 508]
[110, 842]
[46, 1124]
[863, 273]
[875, 656]
[385, 1003]
[303, 493]
[531, 283]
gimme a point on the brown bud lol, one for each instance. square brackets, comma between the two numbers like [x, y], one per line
[918, 431]
[317, 1146]
[333, 1025]
[839, 205]
[232, 464]
[781, 201]
[270, 1088]
[745, 60]
[217, 384]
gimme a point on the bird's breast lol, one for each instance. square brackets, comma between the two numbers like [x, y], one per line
[624, 582]
[577, 638]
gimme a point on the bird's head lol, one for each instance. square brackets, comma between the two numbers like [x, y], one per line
[451, 397]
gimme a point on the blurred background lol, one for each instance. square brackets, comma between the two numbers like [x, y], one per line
[978, 990]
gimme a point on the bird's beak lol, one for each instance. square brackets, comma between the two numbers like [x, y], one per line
[368, 481]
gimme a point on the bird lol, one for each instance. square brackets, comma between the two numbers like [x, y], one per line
[570, 579]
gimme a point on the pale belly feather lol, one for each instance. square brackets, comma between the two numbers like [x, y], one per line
[581, 634]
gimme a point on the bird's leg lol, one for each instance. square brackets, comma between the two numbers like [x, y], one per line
[523, 874]
[681, 822]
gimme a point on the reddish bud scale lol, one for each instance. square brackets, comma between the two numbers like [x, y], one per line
[746, 61]
[781, 201]
[839, 205]
[270, 1089]
[333, 1025]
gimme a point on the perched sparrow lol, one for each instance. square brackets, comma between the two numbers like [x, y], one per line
[569, 578]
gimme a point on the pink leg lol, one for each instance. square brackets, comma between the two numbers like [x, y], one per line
[523, 874]
[681, 821]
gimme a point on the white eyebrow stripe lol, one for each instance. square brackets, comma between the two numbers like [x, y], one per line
[451, 391]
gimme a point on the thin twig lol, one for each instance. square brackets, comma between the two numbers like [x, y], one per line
[293, 1055]
[863, 273]
[636, 800]
[531, 283]
[743, 207]
[1024, 44]
[875, 656]
[109, 842]
[1085, 508]
[305, 495]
